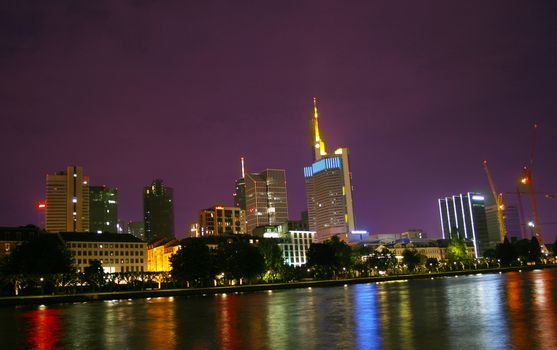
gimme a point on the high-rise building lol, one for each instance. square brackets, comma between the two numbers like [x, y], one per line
[103, 209]
[67, 201]
[158, 211]
[266, 199]
[328, 188]
[137, 229]
[220, 220]
[512, 222]
[240, 191]
[465, 215]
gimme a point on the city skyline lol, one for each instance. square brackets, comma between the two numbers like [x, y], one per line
[419, 107]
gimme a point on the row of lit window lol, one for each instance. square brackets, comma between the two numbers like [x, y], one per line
[106, 253]
[298, 253]
[101, 245]
[111, 261]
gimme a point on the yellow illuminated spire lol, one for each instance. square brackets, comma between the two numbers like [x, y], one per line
[319, 144]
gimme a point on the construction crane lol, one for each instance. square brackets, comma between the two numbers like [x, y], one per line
[528, 181]
[498, 197]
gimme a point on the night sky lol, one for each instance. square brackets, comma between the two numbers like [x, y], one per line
[420, 91]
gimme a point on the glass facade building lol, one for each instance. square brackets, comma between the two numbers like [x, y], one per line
[464, 215]
[103, 209]
[158, 210]
[266, 198]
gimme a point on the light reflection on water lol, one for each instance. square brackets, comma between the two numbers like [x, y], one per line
[490, 311]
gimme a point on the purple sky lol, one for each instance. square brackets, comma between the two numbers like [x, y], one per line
[420, 91]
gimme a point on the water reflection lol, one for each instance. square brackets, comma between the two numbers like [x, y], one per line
[43, 328]
[160, 323]
[226, 321]
[544, 305]
[516, 314]
[367, 323]
[513, 310]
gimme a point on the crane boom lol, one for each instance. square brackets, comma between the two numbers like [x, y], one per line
[498, 197]
[527, 180]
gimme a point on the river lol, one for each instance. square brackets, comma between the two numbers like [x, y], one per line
[515, 310]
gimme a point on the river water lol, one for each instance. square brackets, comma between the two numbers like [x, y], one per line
[516, 310]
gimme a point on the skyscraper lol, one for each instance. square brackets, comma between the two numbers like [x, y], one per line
[492, 222]
[103, 209]
[465, 215]
[67, 201]
[328, 188]
[266, 199]
[511, 219]
[136, 228]
[158, 210]
[240, 191]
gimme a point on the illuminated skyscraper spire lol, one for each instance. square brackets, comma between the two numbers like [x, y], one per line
[243, 171]
[317, 143]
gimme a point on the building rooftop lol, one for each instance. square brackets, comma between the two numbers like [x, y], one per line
[22, 233]
[98, 237]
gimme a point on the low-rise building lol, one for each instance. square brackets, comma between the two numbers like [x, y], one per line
[10, 237]
[116, 252]
[159, 254]
[293, 243]
[430, 248]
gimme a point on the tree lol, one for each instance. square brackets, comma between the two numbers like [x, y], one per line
[39, 259]
[432, 263]
[413, 259]
[272, 254]
[380, 259]
[192, 263]
[322, 258]
[489, 254]
[505, 252]
[535, 252]
[342, 252]
[457, 251]
[243, 260]
[94, 275]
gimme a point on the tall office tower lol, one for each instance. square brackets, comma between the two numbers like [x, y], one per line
[67, 201]
[103, 209]
[240, 192]
[464, 215]
[492, 222]
[158, 211]
[266, 199]
[137, 228]
[328, 188]
[512, 222]
[219, 220]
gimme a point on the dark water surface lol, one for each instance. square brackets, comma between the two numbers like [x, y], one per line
[491, 311]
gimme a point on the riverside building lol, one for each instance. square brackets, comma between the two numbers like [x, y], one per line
[116, 252]
[464, 215]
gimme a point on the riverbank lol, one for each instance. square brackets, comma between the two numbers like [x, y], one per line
[101, 296]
